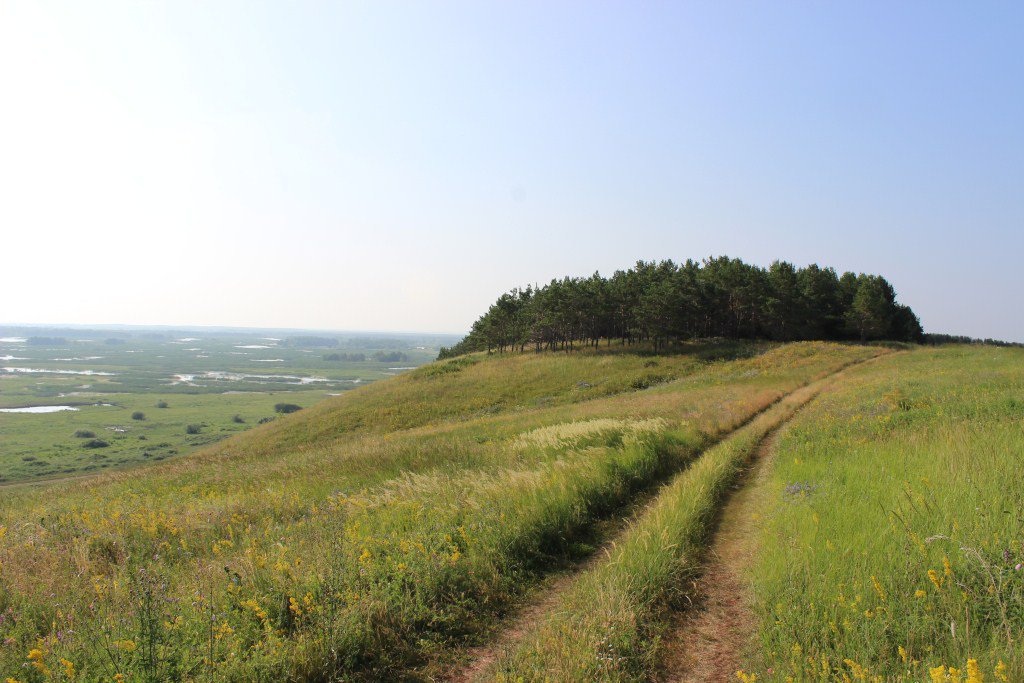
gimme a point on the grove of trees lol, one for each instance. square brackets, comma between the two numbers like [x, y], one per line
[663, 302]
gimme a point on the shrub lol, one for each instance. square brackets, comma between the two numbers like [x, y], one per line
[95, 443]
[193, 429]
[286, 408]
[84, 434]
[161, 404]
[237, 419]
[265, 420]
[138, 415]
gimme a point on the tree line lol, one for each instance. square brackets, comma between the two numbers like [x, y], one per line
[664, 302]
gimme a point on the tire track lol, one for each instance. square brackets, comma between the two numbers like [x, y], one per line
[706, 641]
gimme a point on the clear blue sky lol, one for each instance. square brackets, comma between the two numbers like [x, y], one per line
[395, 166]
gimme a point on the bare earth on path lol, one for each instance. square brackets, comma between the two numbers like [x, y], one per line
[480, 659]
[706, 641]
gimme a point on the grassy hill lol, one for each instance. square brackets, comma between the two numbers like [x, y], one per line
[381, 533]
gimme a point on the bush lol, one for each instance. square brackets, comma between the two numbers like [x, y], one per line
[286, 408]
[393, 357]
[193, 429]
[265, 420]
[84, 434]
[138, 415]
[161, 404]
[95, 443]
[237, 419]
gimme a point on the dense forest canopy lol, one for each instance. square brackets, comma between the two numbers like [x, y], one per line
[663, 302]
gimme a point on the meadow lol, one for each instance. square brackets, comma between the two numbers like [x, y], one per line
[375, 546]
[543, 516]
[139, 391]
[893, 541]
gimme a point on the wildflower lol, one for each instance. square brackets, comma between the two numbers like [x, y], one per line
[903, 653]
[878, 588]
[947, 568]
[935, 578]
[126, 645]
[365, 557]
[937, 674]
[920, 593]
[1001, 669]
[744, 677]
[974, 674]
[69, 668]
[858, 671]
[35, 655]
[118, 678]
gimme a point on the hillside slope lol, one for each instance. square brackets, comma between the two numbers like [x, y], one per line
[374, 531]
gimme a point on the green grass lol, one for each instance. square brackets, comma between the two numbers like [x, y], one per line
[607, 625]
[911, 467]
[371, 532]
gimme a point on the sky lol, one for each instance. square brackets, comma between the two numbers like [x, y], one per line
[396, 166]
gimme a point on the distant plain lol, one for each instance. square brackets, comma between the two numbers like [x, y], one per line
[216, 382]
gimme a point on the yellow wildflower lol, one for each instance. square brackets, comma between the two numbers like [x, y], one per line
[919, 593]
[903, 653]
[974, 674]
[744, 677]
[858, 671]
[878, 588]
[69, 668]
[1001, 669]
[935, 578]
[126, 645]
[35, 655]
[937, 674]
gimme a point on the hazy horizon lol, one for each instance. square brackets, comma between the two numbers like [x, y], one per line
[396, 166]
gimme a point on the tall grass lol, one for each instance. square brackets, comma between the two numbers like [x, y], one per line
[894, 539]
[368, 551]
[606, 627]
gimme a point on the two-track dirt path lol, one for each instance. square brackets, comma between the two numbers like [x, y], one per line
[706, 641]
[480, 659]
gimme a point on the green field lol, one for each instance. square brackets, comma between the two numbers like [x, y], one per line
[221, 382]
[546, 516]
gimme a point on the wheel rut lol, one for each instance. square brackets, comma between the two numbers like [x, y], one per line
[706, 641]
